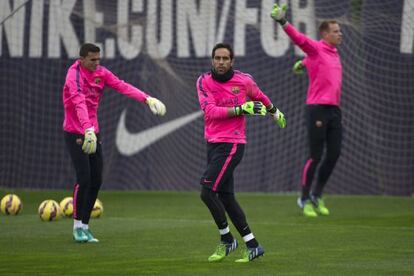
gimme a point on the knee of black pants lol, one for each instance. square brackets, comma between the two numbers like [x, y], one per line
[226, 198]
[211, 199]
[94, 188]
[232, 206]
[316, 154]
[216, 208]
[96, 183]
[332, 156]
[315, 159]
[316, 151]
[206, 195]
[84, 178]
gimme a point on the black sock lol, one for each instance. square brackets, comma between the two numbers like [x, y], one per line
[305, 193]
[252, 243]
[317, 192]
[227, 238]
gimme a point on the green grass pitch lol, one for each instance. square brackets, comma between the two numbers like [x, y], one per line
[172, 233]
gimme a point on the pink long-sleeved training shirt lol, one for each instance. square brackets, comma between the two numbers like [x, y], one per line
[82, 92]
[324, 68]
[215, 97]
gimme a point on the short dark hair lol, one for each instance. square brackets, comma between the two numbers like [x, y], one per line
[222, 45]
[325, 25]
[88, 47]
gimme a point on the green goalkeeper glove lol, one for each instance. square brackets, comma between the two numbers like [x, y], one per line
[89, 141]
[250, 108]
[278, 116]
[298, 68]
[156, 106]
[279, 13]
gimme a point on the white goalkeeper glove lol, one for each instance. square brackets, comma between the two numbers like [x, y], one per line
[156, 106]
[89, 141]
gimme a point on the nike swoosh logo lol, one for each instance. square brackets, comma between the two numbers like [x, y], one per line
[131, 143]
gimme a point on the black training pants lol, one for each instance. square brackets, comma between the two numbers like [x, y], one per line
[88, 175]
[324, 127]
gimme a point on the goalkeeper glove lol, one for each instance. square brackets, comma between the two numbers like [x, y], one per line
[278, 116]
[250, 108]
[279, 13]
[89, 141]
[298, 68]
[156, 106]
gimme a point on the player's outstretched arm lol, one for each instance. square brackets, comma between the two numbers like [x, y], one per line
[307, 45]
[156, 106]
[250, 108]
[277, 115]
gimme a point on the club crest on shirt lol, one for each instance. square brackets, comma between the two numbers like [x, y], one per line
[79, 141]
[235, 89]
[97, 80]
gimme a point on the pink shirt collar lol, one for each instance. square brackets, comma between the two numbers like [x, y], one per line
[328, 46]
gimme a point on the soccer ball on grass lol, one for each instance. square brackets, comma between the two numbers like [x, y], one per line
[49, 210]
[97, 209]
[11, 204]
[66, 206]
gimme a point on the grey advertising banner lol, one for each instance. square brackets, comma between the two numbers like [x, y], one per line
[162, 47]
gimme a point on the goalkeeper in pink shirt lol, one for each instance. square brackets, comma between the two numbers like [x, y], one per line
[323, 115]
[225, 97]
[82, 92]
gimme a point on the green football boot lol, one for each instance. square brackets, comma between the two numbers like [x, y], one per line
[320, 207]
[250, 254]
[89, 235]
[222, 250]
[79, 235]
[308, 210]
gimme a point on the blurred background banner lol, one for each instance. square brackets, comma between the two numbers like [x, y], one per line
[162, 46]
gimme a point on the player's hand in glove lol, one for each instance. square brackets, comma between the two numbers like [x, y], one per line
[250, 108]
[89, 141]
[156, 106]
[279, 13]
[298, 68]
[278, 116]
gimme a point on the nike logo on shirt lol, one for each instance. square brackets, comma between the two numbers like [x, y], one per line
[132, 143]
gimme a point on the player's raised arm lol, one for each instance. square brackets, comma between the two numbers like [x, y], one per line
[279, 14]
[305, 43]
